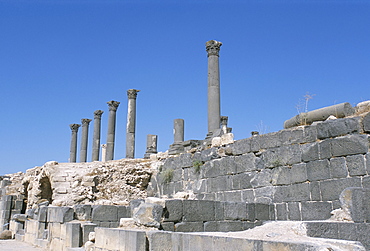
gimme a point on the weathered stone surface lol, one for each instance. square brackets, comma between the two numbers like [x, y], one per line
[318, 170]
[338, 168]
[245, 163]
[195, 210]
[366, 122]
[148, 214]
[338, 127]
[83, 212]
[285, 175]
[281, 211]
[356, 165]
[235, 211]
[104, 213]
[60, 214]
[173, 210]
[189, 227]
[316, 210]
[310, 151]
[262, 178]
[294, 211]
[296, 192]
[239, 147]
[350, 145]
[356, 202]
[331, 189]
[285, 155]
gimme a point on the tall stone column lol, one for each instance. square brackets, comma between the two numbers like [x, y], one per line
[96, 136]
[84, 138]
[178, 137]
[131, 122]
[73, 148]
[103, 151]
[151, 145]
[113, 105]
[214, 108]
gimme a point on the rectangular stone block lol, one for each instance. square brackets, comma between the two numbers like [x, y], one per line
[54, 229]
[295, 192]
[173, 210]
[262, 211]
[294, 211]
[60, 214]
[315, 193]
[281, 211]
[168, 226]
[123, 212]
[73, 236]
[42, 214]
[223, 226]
[292, 136]
[316, 210]
[189, 227]
[5, 205]
[104, 213]
[331, 189]
[322, 229]
[338, 168]
[245, 163]
[160, 240]
[338, 127]
[239, 147]
[318, 170]
[310, 151]
[235, 196]
[350, 145]
[282, 156]
[285, 175]
[134, 240]
[217, 184]
[356, 165]
[235, 211]
[197, 210]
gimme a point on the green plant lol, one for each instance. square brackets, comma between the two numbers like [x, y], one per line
[167, 176]
[197, 164]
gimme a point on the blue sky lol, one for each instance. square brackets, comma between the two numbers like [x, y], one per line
[62, 60]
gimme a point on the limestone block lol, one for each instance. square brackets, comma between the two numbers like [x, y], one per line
[312, 210]
[86, 229]
[160, 240]
[123, 212]
[54, 230]
[104, 213]
[230, 243]
[148, 214]
[356, 165]
[134, 240]
[82, 212]
[356, 202]
[196, 210]
[331, 189]
[42, 214]
[5, 204]
[363, 107]
[227, 138]
[173, 210]
[19, 217]
[350, 145]
[60, 214]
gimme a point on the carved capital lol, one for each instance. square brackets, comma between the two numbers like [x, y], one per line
[74, 127]
[224, 120]
[213, 47]
[113, 105]
[132, 93]
[85, 122]
[97, 114]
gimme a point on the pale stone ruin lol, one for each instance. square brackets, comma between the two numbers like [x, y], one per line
[306, 187]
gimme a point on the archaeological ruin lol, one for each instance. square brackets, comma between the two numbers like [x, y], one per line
[305, 187]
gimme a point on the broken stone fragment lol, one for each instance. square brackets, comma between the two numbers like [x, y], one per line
[148, 214]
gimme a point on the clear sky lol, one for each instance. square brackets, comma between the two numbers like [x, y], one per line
[62, 60]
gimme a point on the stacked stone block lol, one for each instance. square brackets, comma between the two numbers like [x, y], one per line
[300, 171]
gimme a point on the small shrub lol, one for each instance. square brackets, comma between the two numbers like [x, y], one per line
[167, 176]
[197, 164]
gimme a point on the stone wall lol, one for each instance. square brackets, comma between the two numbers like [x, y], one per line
[301, 171]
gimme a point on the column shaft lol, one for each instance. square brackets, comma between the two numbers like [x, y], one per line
[214, 107]
[113, 105]
[84, 138]
[131, 123]
[178, 130]
[151, 145]
[73, 148]
[96, 136]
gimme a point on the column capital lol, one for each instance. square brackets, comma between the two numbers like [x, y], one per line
[132, 93]
[85, 122]
[97, 114]
[113, 105]
[74, 127]
[213, 47]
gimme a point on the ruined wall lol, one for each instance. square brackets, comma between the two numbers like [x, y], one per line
[301, 171]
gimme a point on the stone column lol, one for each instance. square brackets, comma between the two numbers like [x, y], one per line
[84, 138]
[178, 137]
[214, 113]
[131, 122]
[178, 130]
[96, 136]
[151, 145]
[73, 148]
[103, 151]
[113, 105]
